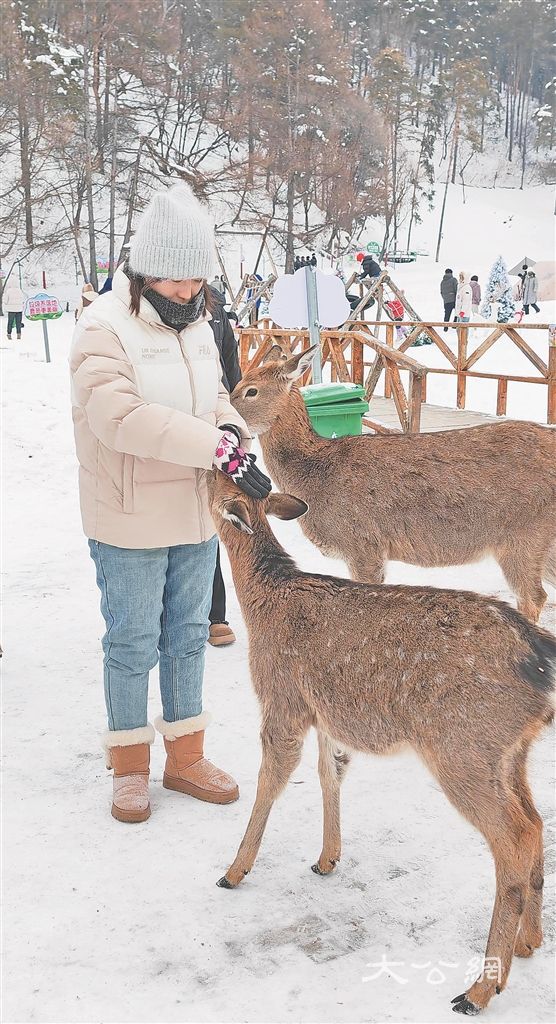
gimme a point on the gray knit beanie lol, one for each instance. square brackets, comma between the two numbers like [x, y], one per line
[174, 237]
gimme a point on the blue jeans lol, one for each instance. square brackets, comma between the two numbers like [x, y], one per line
[155, 603]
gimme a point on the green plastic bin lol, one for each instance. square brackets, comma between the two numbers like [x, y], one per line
[335, 410]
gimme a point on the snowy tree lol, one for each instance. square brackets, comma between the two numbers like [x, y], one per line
[499, 290]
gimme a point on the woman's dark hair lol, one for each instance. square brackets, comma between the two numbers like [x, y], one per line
[139, 284]
[448, 270]
[474, 278]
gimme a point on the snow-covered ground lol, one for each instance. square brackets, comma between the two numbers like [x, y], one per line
[105, 922]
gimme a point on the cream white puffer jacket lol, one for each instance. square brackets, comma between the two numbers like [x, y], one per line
[147, 407]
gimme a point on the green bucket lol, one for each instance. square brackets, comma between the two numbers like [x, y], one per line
[335, 410]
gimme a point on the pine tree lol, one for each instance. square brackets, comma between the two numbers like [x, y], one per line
[499, 290]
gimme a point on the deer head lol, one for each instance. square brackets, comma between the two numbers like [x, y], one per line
[229, 504]
[260, 394]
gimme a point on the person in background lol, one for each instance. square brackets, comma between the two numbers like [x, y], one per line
[13, 301]
[464, 298]
[218, 284]
[530, 292]
[88, 296]
[107, 286]
[220, 632]
[448, 291]
[475, 295]
[151, 418]
[369, 267]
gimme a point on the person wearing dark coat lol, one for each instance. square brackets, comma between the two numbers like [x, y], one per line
[369, 267]
[220, 632]
[107, 286]
[448, 291]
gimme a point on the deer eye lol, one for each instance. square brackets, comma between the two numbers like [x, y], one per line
[251, 392]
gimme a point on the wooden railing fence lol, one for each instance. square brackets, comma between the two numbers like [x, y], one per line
[462, 362]
[347, 353]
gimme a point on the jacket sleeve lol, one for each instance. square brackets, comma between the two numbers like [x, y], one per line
[104, 386]
[225, 413]
[230, 356]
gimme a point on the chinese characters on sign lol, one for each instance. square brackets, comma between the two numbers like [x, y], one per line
[35, 307]
[43, 307]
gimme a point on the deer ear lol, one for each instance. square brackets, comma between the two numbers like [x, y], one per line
[285, 506]
[275, 353]
[235, 512]
[297, 365]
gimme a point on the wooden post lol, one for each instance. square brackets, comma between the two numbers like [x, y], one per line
[380, 303]
[502, 397]
[390, 343]
[416, 386]
[357, 368]
[551, 376]
[244, 346]
[462, 357]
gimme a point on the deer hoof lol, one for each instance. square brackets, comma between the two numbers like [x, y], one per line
[461, 1004]
[224, 883]
[319, 871]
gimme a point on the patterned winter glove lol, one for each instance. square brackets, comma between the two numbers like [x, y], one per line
[227, 427]
[240, 466]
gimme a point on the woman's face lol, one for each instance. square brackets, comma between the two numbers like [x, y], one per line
[179, 291]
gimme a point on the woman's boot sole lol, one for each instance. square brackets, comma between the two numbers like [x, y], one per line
[180, 786]
[130, 816]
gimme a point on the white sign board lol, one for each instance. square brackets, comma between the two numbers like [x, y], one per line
[288, 307]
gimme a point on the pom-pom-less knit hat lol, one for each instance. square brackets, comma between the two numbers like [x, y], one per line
[174, 237]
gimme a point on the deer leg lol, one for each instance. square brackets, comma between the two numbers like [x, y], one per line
[333, 764]
[493, 807]
[281, 755]
[522, 567]
[512, 843]
[530, 935]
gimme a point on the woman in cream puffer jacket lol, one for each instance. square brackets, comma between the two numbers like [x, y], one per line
[151, 416]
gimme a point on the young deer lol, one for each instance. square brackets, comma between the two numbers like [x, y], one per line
[465, 680]
[434, 499]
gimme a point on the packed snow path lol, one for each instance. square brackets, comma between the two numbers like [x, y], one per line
[107, 922]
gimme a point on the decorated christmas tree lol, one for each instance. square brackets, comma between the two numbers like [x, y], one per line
[499, 290]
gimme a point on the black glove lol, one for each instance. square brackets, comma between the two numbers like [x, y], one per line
[238, 464]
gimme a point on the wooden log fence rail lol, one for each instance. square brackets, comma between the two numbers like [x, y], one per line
[347, 366]
[346, 351]
[461, 363]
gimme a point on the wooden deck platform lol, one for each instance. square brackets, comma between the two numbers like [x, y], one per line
[433, 417]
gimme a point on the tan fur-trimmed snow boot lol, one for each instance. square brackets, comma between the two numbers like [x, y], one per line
[128, 753]
[186, 769]
[221, 634]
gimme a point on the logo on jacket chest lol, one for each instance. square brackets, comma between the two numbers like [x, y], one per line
[153, 352]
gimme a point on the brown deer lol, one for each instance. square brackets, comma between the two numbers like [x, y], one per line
[465, 680]
[431, 499]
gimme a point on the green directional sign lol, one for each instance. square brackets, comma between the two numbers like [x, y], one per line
[373, 247]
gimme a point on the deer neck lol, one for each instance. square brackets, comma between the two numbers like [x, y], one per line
[259, 565]
[291, 436]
